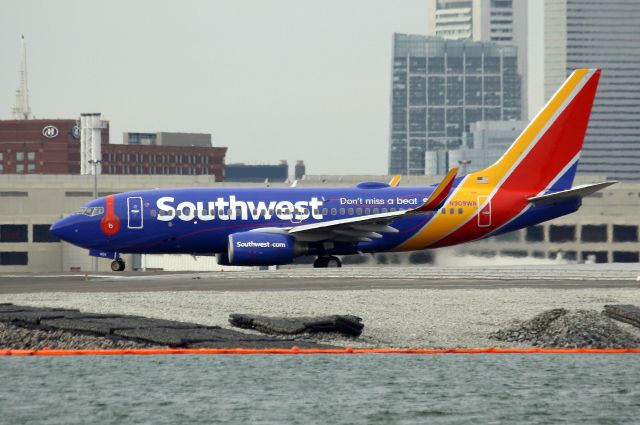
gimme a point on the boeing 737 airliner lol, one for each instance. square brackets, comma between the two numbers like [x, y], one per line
[529, 184]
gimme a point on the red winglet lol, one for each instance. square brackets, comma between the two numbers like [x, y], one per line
[440, 193]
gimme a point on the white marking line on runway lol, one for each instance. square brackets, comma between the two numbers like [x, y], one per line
[33, 276]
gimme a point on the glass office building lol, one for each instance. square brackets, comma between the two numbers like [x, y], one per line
[439, 87]
[606, 35]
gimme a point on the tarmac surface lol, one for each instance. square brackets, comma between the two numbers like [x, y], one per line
[347, 278]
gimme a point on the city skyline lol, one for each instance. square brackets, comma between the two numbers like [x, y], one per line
[270, 82]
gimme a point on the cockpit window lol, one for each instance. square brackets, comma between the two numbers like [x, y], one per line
[91, 211]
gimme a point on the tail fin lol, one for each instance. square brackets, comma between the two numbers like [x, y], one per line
[545, 155]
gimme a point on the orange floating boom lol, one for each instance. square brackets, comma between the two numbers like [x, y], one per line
[295, 350]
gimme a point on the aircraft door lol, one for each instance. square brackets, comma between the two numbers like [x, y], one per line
[484, 215]
[134, 212]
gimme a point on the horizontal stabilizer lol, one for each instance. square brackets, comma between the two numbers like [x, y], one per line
[574, 192]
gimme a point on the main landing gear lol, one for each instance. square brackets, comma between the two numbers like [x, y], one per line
[324, 262]
[117, 265]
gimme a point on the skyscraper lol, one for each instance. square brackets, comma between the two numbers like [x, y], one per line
[439, 87]
[606, 35]
[503, 22]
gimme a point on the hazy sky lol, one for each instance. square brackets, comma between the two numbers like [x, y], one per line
[269, 79]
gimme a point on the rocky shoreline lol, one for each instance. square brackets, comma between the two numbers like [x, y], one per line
[27, 327]
[33, 328]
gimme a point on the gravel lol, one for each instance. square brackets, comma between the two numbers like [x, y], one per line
[561, 328]
[403, 318]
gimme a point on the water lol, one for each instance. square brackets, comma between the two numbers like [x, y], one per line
[322, 389]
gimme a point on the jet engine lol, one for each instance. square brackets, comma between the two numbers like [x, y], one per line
[263, 249]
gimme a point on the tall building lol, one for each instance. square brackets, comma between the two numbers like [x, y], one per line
[503, 22]
[606, 35]
[440, 87]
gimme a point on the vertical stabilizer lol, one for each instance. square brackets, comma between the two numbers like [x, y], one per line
[545, 156]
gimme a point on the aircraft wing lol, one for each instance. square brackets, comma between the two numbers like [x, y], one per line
[367, 227]
[574, 192]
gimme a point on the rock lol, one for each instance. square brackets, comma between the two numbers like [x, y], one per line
[625, 313]
[571, 329]
[34, 327]
[19, 338]
[344, 324]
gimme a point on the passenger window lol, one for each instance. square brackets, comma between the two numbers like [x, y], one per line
[392, 210]
[325, 211]
[153, 213]
[384, 210]
[341, 211]
[359, 211]
[376, 211]
[350, 211]
[459, 210]
[452, 210]
[178, 213]
[443, 211]
[333, 211]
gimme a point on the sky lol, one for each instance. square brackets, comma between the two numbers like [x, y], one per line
[270, 80]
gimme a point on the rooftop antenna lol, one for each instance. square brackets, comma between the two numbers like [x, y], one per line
[21, 109]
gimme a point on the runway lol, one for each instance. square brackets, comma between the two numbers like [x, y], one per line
[347, 278]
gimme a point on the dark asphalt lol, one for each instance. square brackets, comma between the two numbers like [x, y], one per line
[150, 282]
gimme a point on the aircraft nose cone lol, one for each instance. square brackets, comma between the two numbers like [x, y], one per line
[62, 229]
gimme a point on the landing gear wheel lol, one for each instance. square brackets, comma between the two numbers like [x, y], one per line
[334, 262]
[324, 262]
[118, 265]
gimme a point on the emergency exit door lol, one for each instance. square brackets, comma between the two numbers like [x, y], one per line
[134, 212]
[484, 215]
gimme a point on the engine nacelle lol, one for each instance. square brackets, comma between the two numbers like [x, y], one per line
[263, 249]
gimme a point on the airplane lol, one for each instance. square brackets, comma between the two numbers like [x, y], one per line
[531, 183]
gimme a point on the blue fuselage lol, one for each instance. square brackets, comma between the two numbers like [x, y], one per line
[199, 221]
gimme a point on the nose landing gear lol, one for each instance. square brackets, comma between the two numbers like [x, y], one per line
[325, 262]
[118, 265]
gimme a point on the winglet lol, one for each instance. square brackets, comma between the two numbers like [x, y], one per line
[440, 193]
[395, 181]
